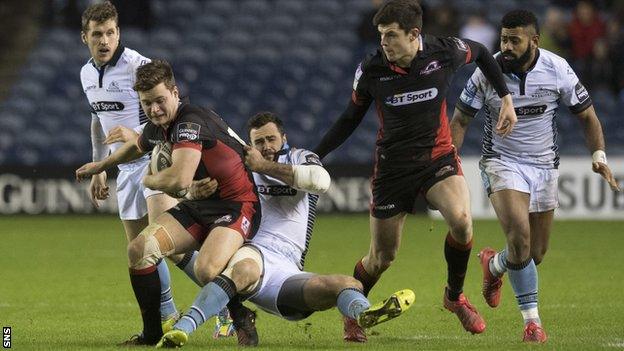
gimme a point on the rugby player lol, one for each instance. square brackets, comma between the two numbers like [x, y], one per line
[408, 79]
[519, 172]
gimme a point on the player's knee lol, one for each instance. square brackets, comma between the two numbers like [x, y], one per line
[461, 225]
[245, 272]
[135, 250]
[538, 255]
[206, 271]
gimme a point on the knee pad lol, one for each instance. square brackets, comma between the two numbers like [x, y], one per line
[245, 252]
[157, 243]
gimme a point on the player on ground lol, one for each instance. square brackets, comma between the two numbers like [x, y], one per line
[269, 270]
[107, 81]
[408, 79]
[519, 172]
[217, 226]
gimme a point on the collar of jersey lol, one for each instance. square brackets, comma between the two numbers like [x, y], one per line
[284, 151]
[113, 61]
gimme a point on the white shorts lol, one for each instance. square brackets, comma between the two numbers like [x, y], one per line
[275, 272]
[131, 193]
[539, 183]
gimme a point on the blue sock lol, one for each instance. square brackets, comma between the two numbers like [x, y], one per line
[498, 264]
[351, 302]
[167, 306]
[212, 298]
[523, 279]
[187, 265]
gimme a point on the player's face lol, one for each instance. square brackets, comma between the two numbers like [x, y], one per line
[102, 40]
[397, 45]
[160, 104]
[518, 45]
[268, 140]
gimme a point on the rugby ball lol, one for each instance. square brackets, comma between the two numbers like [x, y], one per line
[161, 157]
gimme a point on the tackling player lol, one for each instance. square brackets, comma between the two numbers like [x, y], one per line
[217, 226]
[408, 79]
[519, 172]
[269, 270]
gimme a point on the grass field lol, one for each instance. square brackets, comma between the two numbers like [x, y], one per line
[64, 285]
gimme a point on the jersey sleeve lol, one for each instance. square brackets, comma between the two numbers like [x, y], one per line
[573, 93]
[472, 96]
[361, 95]
[305, 157]
[459, 51]
[144, 138]
[190, 132]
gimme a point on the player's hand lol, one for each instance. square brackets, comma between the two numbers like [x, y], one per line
[605, 172]
[507, 117]
[98, 189]
[120, 134]
[253, 159]
[202, 189]
[87, 170]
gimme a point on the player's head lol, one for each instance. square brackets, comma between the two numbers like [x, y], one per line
[158, 92]
[399, 23]
[100, 31]
[519, 38]
[266, 133]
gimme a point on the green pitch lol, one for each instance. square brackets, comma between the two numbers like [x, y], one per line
[64, 285]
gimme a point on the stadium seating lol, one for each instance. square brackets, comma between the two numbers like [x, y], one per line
[294, 57]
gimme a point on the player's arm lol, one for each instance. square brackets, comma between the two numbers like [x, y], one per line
[491, 70]
[594, 138]
[177, 178]
[129, 151]
[312, 178]
[97, 188]
[459, 126]
[346, 124]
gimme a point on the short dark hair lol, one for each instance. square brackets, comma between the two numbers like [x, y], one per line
[153, 73]
[261, 118]
[520, 18]
[407, 13]
[100, 13]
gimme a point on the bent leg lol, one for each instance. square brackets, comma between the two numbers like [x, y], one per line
[385, 242]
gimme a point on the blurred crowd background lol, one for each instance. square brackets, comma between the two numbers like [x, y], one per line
[294, 57]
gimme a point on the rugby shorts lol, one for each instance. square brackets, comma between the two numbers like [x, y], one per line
[539, 183]
[396, 189]
[200, 217]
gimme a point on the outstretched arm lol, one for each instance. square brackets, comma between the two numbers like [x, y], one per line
[594, 140]
[341, 129]
[129, 151]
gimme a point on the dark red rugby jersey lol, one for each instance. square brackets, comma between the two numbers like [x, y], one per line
[411, 104]
[222, 155]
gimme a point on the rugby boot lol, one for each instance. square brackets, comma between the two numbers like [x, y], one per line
[167, 324]
[244, 321]
[136, 340]
[352, 331]
[392, 307]
[491, 284]
[172, 339]
[466, 312]
[534, 332]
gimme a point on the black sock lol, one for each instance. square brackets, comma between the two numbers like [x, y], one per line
[457, 256]
[367, 280]
[146, 286]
